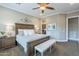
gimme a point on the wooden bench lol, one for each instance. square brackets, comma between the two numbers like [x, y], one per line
[44, 46]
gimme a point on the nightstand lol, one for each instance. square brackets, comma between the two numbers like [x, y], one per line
[7, 42]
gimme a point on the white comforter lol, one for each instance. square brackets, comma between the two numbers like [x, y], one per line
[22, 40]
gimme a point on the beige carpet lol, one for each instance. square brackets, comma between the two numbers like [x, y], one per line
[60, 49]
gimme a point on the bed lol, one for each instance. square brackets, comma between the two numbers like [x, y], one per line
[27, 42]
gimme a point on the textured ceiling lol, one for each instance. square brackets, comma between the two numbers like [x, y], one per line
[27, 8]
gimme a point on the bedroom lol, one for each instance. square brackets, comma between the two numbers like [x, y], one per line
[17, 16]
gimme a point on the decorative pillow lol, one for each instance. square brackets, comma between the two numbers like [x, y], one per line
[20, 32]
[28, 32]
[25, 32]
[31, 32]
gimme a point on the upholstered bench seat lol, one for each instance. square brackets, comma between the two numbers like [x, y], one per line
[44, 46]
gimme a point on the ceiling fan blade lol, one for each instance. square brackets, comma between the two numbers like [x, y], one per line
[50, 8]
[43, 3]
[35, 8]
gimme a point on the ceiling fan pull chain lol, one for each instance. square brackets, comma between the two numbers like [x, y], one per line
[42, 11]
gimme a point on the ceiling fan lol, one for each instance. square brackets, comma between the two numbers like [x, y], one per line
[43, 6]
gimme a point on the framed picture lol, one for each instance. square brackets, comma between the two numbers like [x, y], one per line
[54, 26]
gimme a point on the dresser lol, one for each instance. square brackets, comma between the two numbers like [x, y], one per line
[7, 42]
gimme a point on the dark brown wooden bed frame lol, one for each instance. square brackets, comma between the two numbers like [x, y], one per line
[23, 26]
[30, 45]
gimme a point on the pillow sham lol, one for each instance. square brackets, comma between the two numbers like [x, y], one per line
[25, 32]
[20, 32]
[28, 32]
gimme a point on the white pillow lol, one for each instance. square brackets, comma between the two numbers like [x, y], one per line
[20, 32]
[31, 32]
[25, 32]
[28, 32]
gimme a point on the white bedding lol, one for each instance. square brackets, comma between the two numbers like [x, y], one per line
[22, 40]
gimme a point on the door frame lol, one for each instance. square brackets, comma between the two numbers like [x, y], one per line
[67, 25]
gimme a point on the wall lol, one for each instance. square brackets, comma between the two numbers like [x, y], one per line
[60, 20]
[9, 17]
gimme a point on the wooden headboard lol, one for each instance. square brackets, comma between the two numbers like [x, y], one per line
[23, 26]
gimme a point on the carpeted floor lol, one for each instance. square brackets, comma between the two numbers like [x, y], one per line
[60, 49]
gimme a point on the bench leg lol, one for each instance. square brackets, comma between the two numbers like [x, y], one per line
[35, 52]
[50, 49]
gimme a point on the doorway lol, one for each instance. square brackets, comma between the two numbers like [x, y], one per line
[43, 28]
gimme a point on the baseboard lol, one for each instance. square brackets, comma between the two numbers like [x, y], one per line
[61, 40]
[74, 39]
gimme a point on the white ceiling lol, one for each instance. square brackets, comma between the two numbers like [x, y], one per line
[27, 8]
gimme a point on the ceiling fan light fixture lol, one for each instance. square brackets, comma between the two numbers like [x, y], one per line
[42, 8]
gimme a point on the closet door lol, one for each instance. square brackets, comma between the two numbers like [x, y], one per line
[73, 28]
[78, 29]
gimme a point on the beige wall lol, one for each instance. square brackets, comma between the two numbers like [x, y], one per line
[60, 20]
[8, 17]
[60, 31]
